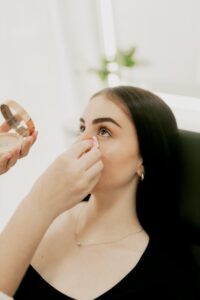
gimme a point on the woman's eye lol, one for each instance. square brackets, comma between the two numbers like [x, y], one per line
[104, 131]
[82, 128]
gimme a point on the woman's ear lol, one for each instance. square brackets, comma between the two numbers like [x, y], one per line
[140, 171]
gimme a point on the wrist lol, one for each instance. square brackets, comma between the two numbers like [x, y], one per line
[37, 210]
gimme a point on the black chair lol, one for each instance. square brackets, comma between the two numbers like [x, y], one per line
[190, 191]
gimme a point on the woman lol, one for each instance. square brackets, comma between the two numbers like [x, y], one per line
[125, 241]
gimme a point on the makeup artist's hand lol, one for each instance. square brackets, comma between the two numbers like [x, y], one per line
[9, 159]
[68, 180]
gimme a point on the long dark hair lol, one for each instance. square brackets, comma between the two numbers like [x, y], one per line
[158, 195]
[158, 137]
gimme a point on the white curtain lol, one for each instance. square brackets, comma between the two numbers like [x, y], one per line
[46, 50]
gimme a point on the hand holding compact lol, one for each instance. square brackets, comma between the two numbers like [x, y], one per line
[17, 134]
[9, 159]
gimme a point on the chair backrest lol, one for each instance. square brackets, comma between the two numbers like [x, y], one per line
[190, 189]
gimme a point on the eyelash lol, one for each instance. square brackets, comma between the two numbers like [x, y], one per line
[99, 129]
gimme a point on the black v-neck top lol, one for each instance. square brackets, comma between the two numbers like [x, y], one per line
[156, 276]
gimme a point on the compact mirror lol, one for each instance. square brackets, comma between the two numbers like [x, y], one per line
[15, 124]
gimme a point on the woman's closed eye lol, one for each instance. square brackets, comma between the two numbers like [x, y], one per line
[102, 131]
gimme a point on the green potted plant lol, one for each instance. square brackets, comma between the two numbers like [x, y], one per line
[122, 62]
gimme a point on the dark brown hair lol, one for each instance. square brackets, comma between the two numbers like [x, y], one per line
[157, 132]
[158, 196]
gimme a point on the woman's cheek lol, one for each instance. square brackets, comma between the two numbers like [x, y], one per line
[110, 152]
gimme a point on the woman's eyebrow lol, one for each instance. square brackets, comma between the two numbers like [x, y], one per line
[101, 120]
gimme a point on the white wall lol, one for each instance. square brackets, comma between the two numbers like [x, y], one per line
[34, 71]
[186, 110]
[47, 48]
[46, 51]
[167, 35]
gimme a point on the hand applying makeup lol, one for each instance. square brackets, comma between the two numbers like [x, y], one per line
[65, 183]
[70, 178]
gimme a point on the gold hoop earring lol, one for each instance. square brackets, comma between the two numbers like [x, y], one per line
[142, 176]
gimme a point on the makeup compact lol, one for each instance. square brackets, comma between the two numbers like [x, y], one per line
[16, 124]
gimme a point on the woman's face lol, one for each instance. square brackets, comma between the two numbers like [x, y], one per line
[109, 121]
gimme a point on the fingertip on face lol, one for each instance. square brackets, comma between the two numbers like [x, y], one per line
[95, 141]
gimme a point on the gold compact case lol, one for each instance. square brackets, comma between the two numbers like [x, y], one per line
[16, 124]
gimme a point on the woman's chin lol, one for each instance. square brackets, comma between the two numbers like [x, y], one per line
[101, 186]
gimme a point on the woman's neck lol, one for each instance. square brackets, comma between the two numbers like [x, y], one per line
[109, 214]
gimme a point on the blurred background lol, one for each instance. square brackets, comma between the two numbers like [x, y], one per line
[54, 54]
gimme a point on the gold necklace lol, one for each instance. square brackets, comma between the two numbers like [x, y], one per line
[80, 244]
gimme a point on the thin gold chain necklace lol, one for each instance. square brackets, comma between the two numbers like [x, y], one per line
[80, 244]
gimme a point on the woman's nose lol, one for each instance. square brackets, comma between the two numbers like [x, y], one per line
[87, 134]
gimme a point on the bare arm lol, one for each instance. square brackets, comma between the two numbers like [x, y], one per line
[69, 179]
[6, 162]
[18, 242]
